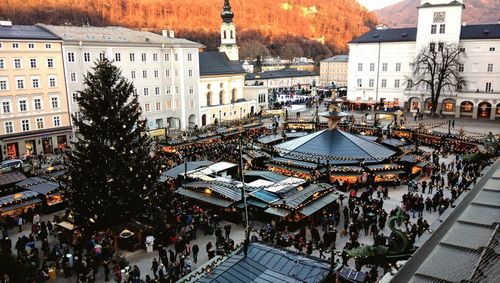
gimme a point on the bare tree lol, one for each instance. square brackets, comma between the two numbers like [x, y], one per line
[436, 69]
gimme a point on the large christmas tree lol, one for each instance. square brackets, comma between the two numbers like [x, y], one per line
[112, 168]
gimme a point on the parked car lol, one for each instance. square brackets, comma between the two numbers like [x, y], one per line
[11, 164]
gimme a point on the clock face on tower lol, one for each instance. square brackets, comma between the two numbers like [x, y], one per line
[439, 17]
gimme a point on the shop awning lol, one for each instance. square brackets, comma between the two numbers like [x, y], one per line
[277, 211]
[11, 178]
[391, 172]
[204, 197]
[253, 202]
[319, 204]
[20, 204]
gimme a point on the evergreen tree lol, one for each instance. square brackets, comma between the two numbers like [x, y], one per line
[112, 169]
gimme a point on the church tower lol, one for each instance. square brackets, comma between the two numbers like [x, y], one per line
[228, 33]
[439, 21]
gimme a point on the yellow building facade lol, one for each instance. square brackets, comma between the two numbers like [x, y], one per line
[34, 116]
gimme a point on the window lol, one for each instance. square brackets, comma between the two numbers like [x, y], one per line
[442, 28]
[39, 123]
[155, 72]
[372, 67]
[360, 67]
[35, 82]
[462, 49]
[2, 64]
[176, 90]
[132, 57]
[398, 67]
[167, 73]
[18, 63]
[492, 49]
[371, 82]
[360, 82]
[15, 45]
[191, 89]
[440, 46]
[409, 84]
[74, 97]
[31, 45]
[4, 84]
[102, 56]
[146, 91]
[158, 106]
[191, 104]
[144, 74]
[157, 90]
[54, 102]
[143, 57]
[33, 63]
[460, 67]
[52, 82]
[155, 57]
[384, 83]
[176, 73]
[396, 83]
[146, 107]
[37, 103]
[118, 57]
[86, 57]
[488, 87]
[25, 125]
[6, 107]
[190, 57]
[57, 121]
[167, 57]
[412, 66]
[50, 63]
[23, 106]
[72, 77]
[20, 83]
[9, 127]
[384, 67]
[490, 68]
[433, 29]
[176, 57]
[432, 47]
[190, 73]
[132, 74]
[168, 90]
[48, 46]
[169, 104]
[71, 57]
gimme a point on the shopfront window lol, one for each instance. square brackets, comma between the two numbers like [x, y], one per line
[30, 147]
[12, 150]
[47, 145]
[467, 106]
[61, 143]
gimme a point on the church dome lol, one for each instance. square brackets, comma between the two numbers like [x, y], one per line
[227, 14]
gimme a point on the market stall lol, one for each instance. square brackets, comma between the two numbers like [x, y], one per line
[19, 203]
[295, 168]
[347, 174]
[50, 192]
[389, 173]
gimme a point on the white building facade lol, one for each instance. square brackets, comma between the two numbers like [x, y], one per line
[163, 69]
[380, 63]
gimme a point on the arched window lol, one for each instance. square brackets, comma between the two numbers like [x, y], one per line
[233, 95]
[224, 34]
[209, 98]
[221, 97]
[231, 34]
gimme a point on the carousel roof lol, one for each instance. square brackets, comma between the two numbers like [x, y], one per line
[335, 143]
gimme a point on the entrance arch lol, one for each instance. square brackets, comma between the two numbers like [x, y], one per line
[221, 97]
[204, 119]
[466, 108]
[448, 106]
[252, 110]
[414, 104]
[484, 110]
[191, 121]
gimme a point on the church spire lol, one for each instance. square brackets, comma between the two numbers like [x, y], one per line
[227, 14]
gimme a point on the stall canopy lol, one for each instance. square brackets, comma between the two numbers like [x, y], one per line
[14, 201]
[319, 204]
[270, 139]
[179, 170]
[268, 175]
[208, 198]
[226, 191]
[40, 185]
[265, 196]
[11, 178]
[281, 212]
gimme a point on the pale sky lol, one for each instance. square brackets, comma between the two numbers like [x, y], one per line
[376, 4]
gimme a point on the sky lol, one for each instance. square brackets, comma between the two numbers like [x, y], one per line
[376, 4]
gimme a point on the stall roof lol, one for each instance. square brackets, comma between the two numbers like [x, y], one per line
[319, 204]
[219, 167]
[267, 264]
[20, 204]
[268, 175]
[204, 197]
[260, 183]
[394, 142]
[17, 197]
[266, 196]
[252, 202]
[347, 168]
[408, 158]
[177, 170]
[11, 178]
[31, 181]
[290, 182]
[291, 135]
[294, 162]
[44, 188]
[298, 197]
[270, 139]
[281, 212]
[219, 188]
[390, 172]
[390, 166]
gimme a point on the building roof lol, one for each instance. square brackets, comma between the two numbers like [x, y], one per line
[26, 32]
[217, 63]
[337, 58]
[113, 34]
[482, 31]
[283, 73]
[464, 247]
[335, 143]
[267, 264]
[11, 178]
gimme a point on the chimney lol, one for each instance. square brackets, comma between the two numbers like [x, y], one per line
[5, 23]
